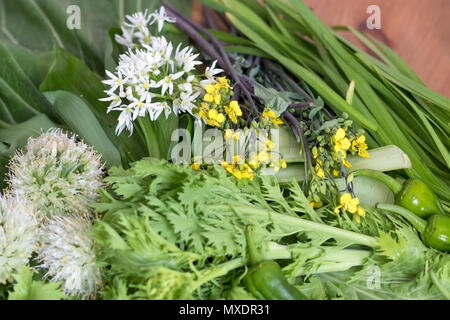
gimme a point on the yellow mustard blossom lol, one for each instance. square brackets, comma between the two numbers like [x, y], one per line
[223, 81]
[341, 143]
[239, 170]
[360, 144]
[215, 118]
[195, 166]
[318, 168]
[230, 134]
[233, 111]
[316, 204]
[344, 161]
[268, 145]
[272, 117]
[348, 203]
[264, 156]
[208, 97]
[204, 110]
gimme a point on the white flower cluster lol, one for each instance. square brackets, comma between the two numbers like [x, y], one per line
[57, 174]
[18, 235]
[154, 78]
[137, 27]
[67, 253]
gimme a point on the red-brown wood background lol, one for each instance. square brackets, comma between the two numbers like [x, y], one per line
[418, 30]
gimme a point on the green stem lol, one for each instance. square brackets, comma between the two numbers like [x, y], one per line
[333, 261]
[417, 222]
[217, 271]
[302, 224]
[390, 182]
[149, 135]
[253, 254]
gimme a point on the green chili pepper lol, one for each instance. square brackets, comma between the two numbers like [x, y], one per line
[413, 195]
[265, 279]
[435, 231]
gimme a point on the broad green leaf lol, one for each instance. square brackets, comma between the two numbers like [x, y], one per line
[76, 114]
[40, 24]
[19, 98]
[71, 74]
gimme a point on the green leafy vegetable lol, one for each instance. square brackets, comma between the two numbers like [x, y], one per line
[26, 288]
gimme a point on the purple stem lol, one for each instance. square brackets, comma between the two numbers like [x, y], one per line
[225, 62]
[209, 19]
[291, 82]
[295, 124]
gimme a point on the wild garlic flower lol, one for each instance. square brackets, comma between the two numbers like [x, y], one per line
[18, 235]
[68, 254]
[137, 27]
[57, 174]
[154, 80]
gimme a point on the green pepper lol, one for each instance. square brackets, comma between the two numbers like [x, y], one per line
[435, 231]
[265, 279]
[413, 194]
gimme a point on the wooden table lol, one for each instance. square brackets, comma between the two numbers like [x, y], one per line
[418, 30]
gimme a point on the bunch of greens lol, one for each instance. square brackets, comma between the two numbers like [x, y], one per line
[390, 101]
[168, 232]
[51, 74]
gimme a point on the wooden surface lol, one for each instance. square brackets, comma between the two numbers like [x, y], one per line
[418, 30]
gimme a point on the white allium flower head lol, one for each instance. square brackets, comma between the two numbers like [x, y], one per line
[57, 174]
[137, 27]
[18, 235]
[152, 80]
[68, 254]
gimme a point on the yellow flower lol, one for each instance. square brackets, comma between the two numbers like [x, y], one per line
[272, 117]
[254, 162]
[316, 204]
[283, 164]
[348, 203]
[195, 166]
[346, 163]
[264, 156]
[204, 110]
[231, 134]
[336, 173]
[341, 143]
[363, 153]
[208, 97]
[318, 168]
[217, 98]
[233, 111]
[215, 118]
[360, 143]
[361, 212]
[269, 145]
[210, 89]
[240, 171]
